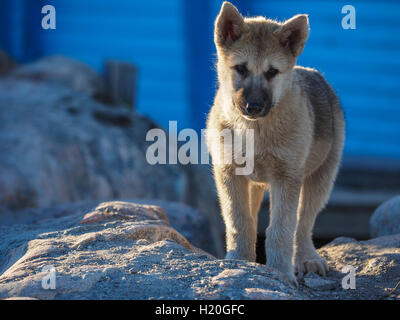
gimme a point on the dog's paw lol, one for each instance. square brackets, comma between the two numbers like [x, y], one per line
[236, 255]
[290, 279]
[311, 263]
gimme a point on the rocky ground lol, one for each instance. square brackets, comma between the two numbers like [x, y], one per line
[125, 250]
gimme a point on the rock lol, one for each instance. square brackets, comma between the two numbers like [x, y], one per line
[386, 218]
[314, 281]
[123, 250]
[21, 298]
[59, 146]
[376, 263]
[84, 150]
[62, 153]
[227, 277]
[7, 64]
[191, 223]
[265, 294]
[65, 71]
[201, 194]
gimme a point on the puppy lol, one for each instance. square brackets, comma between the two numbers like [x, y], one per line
[299, 133]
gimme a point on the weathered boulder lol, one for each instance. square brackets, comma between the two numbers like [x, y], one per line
[65, 71]
[386, 218]
[376, 264]
[189, 222]
[58, 145]
[123, 250]
[314, 281]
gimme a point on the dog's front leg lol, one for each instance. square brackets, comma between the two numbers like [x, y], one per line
[284, 197]
[241, 228]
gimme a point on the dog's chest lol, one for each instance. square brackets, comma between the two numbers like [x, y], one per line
[260, 173]
[267, 158]
[263, 163]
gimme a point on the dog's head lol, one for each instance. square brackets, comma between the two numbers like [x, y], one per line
[256, 57]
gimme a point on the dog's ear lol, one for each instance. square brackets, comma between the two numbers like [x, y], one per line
[228, 25]
[293, 34]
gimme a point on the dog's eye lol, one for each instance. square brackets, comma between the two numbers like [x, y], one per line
[272, 72]
[242, 70]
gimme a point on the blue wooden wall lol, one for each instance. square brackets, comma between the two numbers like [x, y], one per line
[171, 42]
[150, 34]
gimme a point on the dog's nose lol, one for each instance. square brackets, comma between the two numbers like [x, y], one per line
[253, 108]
